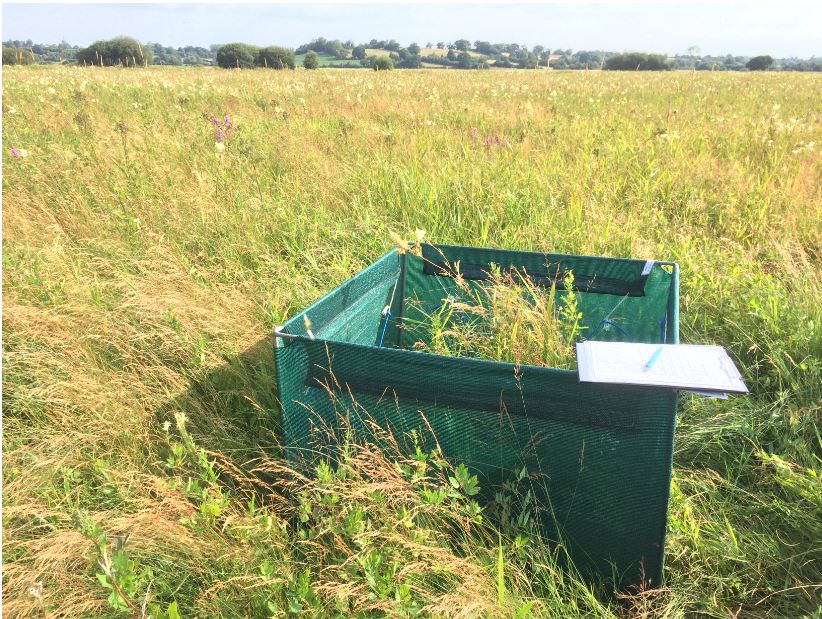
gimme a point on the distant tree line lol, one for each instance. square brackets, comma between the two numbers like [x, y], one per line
[18, 55]
[189, 55]
[636, 61]
[334, 53]
[65, 53]
[335, 48]
[62, 52]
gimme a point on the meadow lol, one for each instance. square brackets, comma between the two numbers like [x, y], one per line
[159, 223]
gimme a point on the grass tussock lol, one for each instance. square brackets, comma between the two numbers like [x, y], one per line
[508, 318]
[143, 268]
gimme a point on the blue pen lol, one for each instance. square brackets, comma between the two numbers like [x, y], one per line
[653, 359]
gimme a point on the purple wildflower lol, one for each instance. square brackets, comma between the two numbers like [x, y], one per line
[15, 153]
[222, 127]
[494, 140]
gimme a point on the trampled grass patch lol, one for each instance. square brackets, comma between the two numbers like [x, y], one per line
[147, 259]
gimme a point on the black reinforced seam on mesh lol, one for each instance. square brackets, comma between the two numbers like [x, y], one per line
[597, 284]
[582, 283]
[516, 400]
[512, 403]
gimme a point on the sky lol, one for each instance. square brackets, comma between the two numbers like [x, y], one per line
[781, 29]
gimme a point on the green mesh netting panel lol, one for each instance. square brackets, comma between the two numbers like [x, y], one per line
[601, 453]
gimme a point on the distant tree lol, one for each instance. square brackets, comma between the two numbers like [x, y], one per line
[392, 46]
[486, 48]
[358, 52]
[527, 60]
[383, 63]
[414, 49]
[409, 61]
[336, 49]
[165, 55]
[118, 51]
[18, 55]
[462, 45]
[94, 54]
[451, 55]
[465, 61]
[274, 57]
[237, 56]
[317, 44]
[311, 60]
[795, 64]
[91, 55]
[440, 45]
[321, 45]
[760, 63]
[635, 61]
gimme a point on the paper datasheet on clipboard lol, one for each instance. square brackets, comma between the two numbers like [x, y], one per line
[706, 369]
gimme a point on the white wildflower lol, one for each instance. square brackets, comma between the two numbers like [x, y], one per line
[37, 591]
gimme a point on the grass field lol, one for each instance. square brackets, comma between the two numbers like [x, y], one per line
[145, 265]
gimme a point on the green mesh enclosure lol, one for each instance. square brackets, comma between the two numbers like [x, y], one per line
[601, 453]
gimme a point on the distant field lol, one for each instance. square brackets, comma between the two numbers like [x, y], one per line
[326, 60]
[146, 263]
[434, 51]
[372, 51]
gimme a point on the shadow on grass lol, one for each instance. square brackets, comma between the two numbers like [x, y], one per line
[233, 409]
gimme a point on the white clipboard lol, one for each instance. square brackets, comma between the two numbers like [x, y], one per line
[689, 367]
